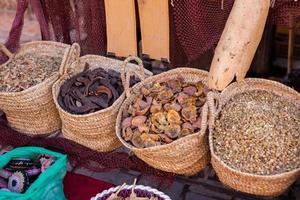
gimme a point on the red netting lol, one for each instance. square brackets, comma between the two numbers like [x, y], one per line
[195, 26]
[77, 21]
[198, 24]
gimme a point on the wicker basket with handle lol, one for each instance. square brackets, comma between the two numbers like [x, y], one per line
[95, 130]
[32, 111]
[187, 155]
[263, 185]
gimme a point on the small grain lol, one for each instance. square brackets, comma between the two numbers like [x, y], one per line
[259, 132]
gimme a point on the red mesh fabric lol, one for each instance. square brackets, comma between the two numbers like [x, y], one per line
[77, 21]
[286, 13]
[197, 25]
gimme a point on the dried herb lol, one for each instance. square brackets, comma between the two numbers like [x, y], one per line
[259, 132]
[165, 111]
[91, 90]
[26, 71]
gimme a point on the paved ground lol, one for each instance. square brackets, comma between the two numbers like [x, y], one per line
[31, 30]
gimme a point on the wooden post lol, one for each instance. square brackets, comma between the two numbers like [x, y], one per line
[154, 21]
[290, 50]
[121, 27]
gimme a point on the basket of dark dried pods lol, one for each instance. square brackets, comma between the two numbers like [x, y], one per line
[255, 141]
[88, 98]
[164, 121]
[26, 80]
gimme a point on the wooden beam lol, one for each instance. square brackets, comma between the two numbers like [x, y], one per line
[154, 21]
[121, 27]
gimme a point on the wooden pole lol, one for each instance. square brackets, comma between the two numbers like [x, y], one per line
[290, 48]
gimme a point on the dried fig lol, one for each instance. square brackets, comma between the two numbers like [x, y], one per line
[138, 120]
[187, 125]
[173, 117]
[156, 88]
[190, 101]
[197, 123]
[175, 85]
[154, 136]
[189, 113]
[156, 107]
[127, 134]
[165, 95]
[126, 122]
[143, 128]
[165, 138]
[190, 90]
[154, 129]
[173, 131]
[159, 118]
[181, 97]
[147, 140]
[136, 140]
[185, 132]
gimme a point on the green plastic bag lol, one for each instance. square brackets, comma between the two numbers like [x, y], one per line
[49, 184]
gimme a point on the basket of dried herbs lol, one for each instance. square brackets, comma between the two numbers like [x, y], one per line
[26, 80]
[88, 98]
[255, 140]
[164, 121]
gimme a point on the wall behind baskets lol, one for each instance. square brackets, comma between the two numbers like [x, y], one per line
[194, 26]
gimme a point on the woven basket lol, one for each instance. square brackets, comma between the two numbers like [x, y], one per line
[262, 185]
[187, 155]
[140, 190]
[32, 111]
[95, 130]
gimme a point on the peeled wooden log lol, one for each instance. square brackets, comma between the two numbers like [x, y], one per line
[238, 43]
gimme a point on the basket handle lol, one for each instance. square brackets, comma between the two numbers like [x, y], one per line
[125, 76]
[5, 50]
[212, 101]
[71, 55]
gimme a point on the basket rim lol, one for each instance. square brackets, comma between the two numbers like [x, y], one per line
[82, 59]
[211, 132]
[128, 187]
[48, 80]
[178, 141]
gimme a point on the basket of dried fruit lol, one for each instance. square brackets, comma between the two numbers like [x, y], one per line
[88, 98]
[131, 192]
[26, 80]
[254, 142]
[164, 121]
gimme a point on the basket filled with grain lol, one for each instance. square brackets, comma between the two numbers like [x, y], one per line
[26, 80]
[164, 121]
[88, 98]
[255, 140]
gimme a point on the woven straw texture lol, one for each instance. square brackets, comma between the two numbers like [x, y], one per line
[262, 185]
[32, 111]
[185, 156]
[94, 130]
